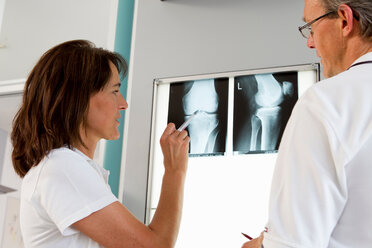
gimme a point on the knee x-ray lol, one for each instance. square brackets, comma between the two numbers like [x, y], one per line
[262, 106]
[238, 112]
[207, 130]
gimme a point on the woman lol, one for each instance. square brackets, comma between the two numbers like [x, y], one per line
[72, 100]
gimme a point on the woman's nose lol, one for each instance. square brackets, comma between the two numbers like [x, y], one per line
[123, 105]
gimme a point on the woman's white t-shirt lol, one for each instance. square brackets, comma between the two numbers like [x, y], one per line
[64, 188]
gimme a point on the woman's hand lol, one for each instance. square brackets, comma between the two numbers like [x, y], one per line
[175, 147]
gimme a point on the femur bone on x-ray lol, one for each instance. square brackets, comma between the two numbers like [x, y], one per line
[261, 110]
[207, 130]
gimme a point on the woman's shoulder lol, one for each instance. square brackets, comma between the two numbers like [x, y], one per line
[55, 166]
[63, 160]
[63, 155]
[63, 152]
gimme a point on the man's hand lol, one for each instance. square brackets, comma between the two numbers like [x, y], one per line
[254, 243]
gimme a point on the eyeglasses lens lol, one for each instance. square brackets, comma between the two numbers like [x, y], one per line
[306, 32]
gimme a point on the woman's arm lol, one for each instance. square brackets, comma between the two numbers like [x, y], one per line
[115, 226]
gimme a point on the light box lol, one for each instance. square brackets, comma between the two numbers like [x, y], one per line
[234, 138]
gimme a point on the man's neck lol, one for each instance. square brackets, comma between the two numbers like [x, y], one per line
[356, 49]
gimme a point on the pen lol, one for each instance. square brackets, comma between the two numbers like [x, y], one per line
[187, 122]
[247, 236]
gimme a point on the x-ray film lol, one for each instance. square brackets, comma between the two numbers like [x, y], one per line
[207, 129]
[262, 106]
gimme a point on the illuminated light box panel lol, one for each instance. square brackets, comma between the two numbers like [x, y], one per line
[234, 138]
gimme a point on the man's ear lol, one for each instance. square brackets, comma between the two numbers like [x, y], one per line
[345, 13]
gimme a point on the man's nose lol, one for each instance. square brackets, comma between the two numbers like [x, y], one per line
[310, 42]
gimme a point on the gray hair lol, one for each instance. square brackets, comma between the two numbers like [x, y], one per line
[362, 8]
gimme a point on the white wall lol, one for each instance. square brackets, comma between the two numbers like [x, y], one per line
[31, 27]
[2, 5]
[3, 138]
[187, 37]
[8, 177]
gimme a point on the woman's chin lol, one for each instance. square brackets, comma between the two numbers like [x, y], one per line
[114, 136]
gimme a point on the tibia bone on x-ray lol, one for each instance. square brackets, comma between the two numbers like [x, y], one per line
[203, 129]
[267, 116]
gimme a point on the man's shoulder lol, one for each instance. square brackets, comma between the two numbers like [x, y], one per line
[330, 99]
[339, 88]
[342, 101]
[335, 81]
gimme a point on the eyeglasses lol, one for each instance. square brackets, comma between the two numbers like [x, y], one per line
[305, 30]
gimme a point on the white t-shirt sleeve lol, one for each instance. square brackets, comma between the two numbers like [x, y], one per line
[309, 189]
[70, 190]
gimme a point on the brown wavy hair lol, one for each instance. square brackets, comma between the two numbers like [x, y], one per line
[56, 100]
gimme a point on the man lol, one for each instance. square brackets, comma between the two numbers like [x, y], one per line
[322, 184]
